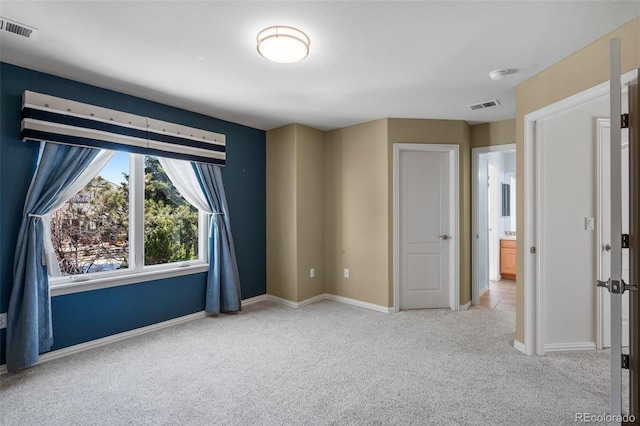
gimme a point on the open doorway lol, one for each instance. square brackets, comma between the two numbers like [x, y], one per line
[494, 227]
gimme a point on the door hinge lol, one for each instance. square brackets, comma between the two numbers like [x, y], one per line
[625, 361]
[612, 285]
[624, 121]
[625, 240]
[616, 287]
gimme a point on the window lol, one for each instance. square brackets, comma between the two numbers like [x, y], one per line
[90, 232]
[170, 222]
[128, 219]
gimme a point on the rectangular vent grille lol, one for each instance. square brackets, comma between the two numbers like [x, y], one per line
[486, 104]
[9, 26]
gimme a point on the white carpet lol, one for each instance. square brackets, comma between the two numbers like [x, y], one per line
[322, 364]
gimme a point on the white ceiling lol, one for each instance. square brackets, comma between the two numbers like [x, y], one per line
[368, 60]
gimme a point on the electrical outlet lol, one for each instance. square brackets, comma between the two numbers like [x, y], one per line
[346, 273]
[3, 320]
[312, 272]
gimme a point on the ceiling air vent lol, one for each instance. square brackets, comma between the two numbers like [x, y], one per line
[486, 104]
[9, 26]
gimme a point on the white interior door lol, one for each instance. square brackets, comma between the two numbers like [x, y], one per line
[425, 229]
[617, 228]
[605, 229]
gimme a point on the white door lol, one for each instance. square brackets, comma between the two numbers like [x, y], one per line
[425, 229]
[605, 228]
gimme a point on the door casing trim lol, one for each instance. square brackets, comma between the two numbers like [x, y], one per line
[454, 217]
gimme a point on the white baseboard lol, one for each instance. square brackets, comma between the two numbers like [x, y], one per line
[333, 297]
[465, 306]
[282, 301]
[565, 347]
[253, 300]
[291, 303]
[519, 346]
[359, 303]
[49, 356]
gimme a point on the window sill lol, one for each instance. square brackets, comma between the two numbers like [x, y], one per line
[60, 289]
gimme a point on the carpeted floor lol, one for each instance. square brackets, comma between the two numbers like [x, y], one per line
[322, 364]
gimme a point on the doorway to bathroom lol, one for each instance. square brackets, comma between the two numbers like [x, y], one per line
[494, 227]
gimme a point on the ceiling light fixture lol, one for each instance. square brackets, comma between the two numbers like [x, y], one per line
[283, 44]
[498, 74]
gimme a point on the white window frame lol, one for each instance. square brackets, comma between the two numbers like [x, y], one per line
[137, 271]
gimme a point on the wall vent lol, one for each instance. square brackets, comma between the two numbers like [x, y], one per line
[485, 104]
[9, 26]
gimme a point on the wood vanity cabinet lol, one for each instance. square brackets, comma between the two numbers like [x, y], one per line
[508, 259]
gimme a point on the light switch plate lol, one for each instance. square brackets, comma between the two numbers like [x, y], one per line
[589, 224]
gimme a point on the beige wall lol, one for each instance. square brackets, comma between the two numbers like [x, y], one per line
[359, 203]
[330, 206]
[295, 197]
[310, 211]
[437, 132]
[580, 71]
[281, 213]
[356, 212]
[496, 133]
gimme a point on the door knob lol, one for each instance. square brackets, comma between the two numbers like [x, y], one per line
[607, 247]
[445, 237]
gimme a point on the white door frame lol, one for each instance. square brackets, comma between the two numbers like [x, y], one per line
[454, 215]
[533, 297]
[475, 217]
[494, 196]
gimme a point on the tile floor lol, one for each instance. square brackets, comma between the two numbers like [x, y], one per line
[501, 295]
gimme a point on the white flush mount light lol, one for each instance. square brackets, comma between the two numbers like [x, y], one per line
[498, 74]
[283, 44]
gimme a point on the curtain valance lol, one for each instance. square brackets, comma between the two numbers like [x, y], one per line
[51, 119]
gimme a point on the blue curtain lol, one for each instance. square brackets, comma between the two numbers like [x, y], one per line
[223, 281]
[29, 329]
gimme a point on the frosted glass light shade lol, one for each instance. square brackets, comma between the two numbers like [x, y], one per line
[283, 44]
[498, 74]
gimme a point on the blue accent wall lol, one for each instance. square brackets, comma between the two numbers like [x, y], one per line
[86, 316]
